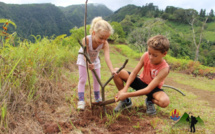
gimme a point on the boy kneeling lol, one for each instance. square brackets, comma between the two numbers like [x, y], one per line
[151, 79]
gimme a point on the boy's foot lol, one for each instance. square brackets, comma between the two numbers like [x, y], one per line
[150, 108]
[81, 105]
[123, 105]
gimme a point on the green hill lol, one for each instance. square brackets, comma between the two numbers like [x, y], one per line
[36, 19]
[48, 19]
[76, 13]
[120, 14]
[148, 20]
[145, 21]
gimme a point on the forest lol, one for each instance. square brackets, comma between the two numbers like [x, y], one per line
[48, 19]
[191, 32]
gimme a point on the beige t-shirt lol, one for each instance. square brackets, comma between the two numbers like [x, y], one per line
[93, 54]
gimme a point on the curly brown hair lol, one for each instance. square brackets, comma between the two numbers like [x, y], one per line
[159, 42]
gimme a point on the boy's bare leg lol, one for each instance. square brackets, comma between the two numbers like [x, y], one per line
[119, 82]
[161, 99]
[120, 78]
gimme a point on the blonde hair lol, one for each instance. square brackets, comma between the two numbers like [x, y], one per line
[159, 42]
[98, 24]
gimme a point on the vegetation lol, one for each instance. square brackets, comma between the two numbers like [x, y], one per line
[75, 13]
[187, 66]
[190, 33]
[38, 80]
[4, 35]
[48, 19]
[38, 84]
[26, 72]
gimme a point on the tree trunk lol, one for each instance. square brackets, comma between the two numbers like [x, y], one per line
[200, 38]
[197, 53]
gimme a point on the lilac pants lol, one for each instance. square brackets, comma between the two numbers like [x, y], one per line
[83, 78]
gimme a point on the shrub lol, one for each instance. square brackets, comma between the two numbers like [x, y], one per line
[127, 51]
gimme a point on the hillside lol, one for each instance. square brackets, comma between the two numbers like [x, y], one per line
[146, 21]
[48, 19]
[36, 19]
[75, 13]
[120, 14]
[140, 23]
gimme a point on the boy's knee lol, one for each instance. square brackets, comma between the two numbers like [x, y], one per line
[164, 102]
[118, 74]
[115, 69]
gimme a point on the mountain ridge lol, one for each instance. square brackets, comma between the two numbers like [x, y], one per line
[47, 19]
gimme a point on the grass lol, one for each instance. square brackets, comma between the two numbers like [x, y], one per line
[209, 35]
[211, 26]
[183, 104]
[137, 125]
[28, 72]
[191, 103]
[111, 118]
[41, 76]
[185, 28]
[196, 82]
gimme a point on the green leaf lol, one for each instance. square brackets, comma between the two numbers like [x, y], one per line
[9, 22]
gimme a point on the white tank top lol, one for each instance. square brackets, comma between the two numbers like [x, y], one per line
[94, 55]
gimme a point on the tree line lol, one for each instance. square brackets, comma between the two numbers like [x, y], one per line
[133, 25]
[48, 19]
[187, 30]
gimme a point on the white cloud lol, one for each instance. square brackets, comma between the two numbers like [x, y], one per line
[116, 4]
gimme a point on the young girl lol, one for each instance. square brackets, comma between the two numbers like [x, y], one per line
[100, 31]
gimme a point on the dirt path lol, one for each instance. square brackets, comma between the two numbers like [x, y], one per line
[202, 94]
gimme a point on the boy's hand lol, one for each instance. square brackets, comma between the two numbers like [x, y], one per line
[121, 96]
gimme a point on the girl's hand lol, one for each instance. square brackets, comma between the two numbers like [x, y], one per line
[113, 73]
[91, 66]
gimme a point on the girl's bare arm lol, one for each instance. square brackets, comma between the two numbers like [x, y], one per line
[107, 57]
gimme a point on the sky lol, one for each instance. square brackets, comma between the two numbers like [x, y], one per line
[116, 4]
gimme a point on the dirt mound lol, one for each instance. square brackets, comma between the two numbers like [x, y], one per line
[97, 121]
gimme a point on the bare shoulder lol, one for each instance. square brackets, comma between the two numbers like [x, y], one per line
[142, 57]
[105, 45]
[83, 40]
[163, 72]
[139, 65]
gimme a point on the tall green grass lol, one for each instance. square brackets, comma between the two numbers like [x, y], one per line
[128, 52]
[211, 26]
[24, 68]
[210, 33]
